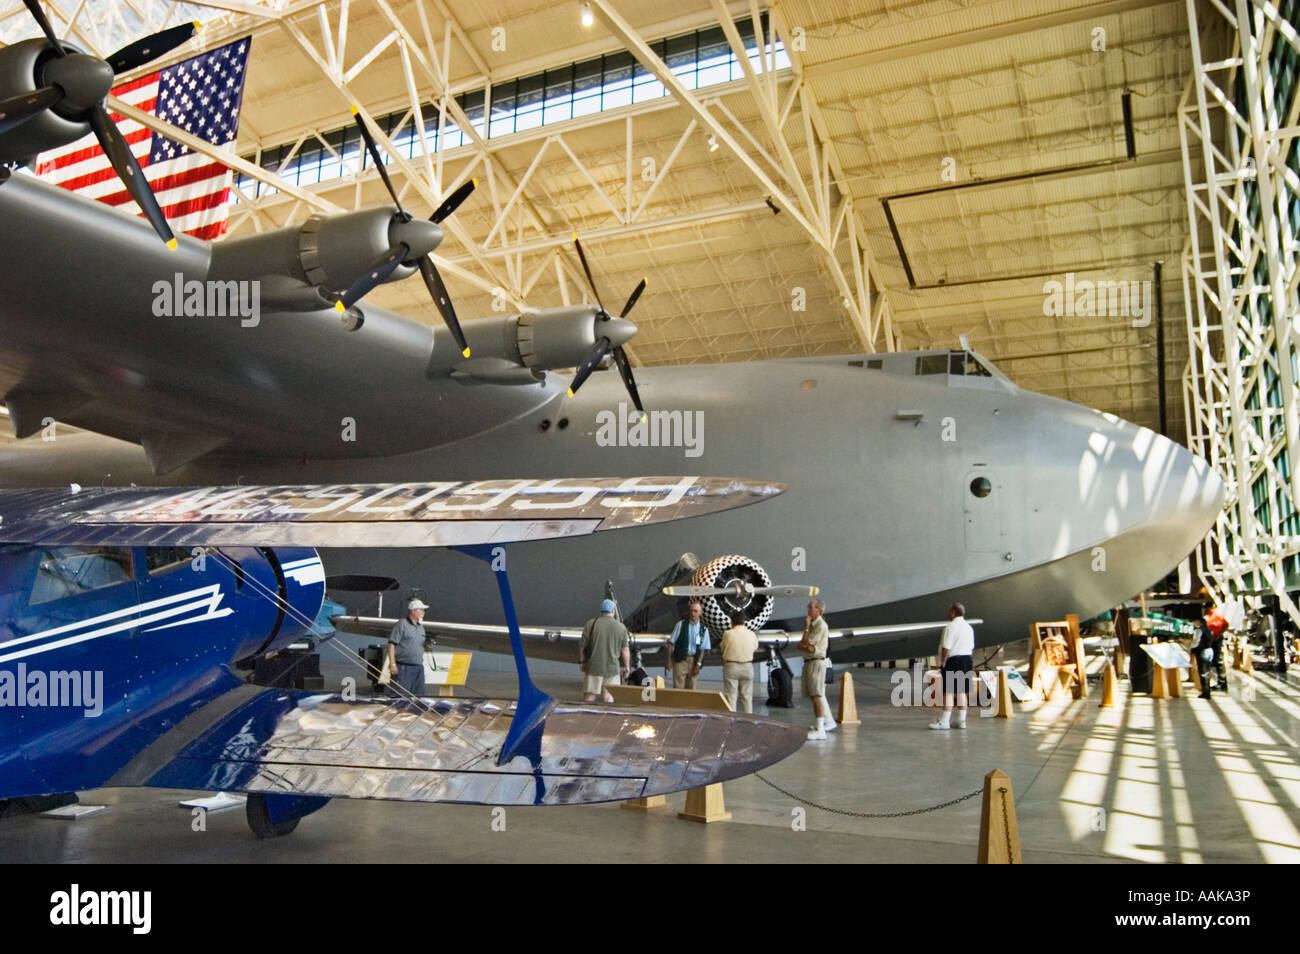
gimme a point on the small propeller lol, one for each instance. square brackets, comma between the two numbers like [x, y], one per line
[381, 270]
[603, 345]
[79, 83]
[741, 588]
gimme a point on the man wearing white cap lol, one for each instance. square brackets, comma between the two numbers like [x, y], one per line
[406, 648]
[605, 655]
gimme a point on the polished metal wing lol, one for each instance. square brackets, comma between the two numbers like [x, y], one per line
[442, 513]
[446, 750]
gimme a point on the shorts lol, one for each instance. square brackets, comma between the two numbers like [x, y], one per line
[595, 685]
[814, 677]
[957, 675]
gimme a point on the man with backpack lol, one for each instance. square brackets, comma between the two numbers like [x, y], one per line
[687, 646]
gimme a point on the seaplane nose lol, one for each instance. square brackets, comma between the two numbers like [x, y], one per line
[1166, 497]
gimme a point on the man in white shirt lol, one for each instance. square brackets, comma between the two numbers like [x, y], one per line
[956, 648]
[814, 646]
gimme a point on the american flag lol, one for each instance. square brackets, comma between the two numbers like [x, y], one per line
[201, 95]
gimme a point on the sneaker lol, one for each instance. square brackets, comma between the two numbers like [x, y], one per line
[959, 725]
[829, 724]
[816, 734]
[939, 725]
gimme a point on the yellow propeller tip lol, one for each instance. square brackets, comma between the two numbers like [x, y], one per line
[355, 111]
[816, 590]
[474, 181]
[570, 392]
[338, 306]
[198, 27]
[465, 352]
[575, 236]
[172, 244]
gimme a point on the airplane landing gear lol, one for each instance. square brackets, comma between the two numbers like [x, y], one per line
[274, 816]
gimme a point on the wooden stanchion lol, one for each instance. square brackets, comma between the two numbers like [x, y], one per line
[1075, 643]
[655, 803]
[1108, 687]
[1194, 672]
[1174, 682]
[446, 692]
[848, 701]
[659, 683]
[999, 834]
[1004, 696]
[1247, 663]
[705, 805]
[1159, 682]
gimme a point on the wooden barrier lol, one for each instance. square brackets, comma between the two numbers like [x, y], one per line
[1108, 688]
[1194, 673]
[999, 833]
[674, 698]
[705, 805]
[848, 701]
[1004, 696]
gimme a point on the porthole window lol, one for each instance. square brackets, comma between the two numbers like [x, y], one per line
[981, 487]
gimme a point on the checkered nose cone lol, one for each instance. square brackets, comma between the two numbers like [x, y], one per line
[721, 571]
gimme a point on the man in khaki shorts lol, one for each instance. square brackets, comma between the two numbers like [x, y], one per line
[738, 647]
[605, 654]
[815, 642]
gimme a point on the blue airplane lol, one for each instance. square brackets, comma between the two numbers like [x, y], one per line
[124, 614]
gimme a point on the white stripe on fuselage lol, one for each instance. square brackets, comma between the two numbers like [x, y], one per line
[206, 598]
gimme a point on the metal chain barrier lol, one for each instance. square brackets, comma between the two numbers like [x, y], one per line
[1006, 825]
[850, 814]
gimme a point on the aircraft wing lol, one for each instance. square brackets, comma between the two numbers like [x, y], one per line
[560, 642]
[843, 638]
[540, 642]
[443, 513]
[445, 750]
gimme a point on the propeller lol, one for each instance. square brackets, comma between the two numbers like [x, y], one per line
[379, 272]
[604, 345]
[740, 588]
[77, 85]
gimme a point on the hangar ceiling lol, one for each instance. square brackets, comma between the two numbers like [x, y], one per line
[993, 132]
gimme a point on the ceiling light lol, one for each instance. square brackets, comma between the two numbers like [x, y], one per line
[713, 143]
[587, 18]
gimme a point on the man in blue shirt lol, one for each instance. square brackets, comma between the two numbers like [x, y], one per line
[686, 648]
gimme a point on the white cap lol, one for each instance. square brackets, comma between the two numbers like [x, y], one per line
[416, 604]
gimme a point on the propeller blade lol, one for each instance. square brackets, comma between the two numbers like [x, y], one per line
[151, 47]
[373, 149]
[589, 363]
[629, 382]
[703, 591]
[453, 201]
[587, 268]
[34, 7]
[128, 170]
[375, 275]
[636, 293]
[786, 590]
[438, 291]
[18, 109]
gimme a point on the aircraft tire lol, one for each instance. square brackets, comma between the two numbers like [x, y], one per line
[259, 819]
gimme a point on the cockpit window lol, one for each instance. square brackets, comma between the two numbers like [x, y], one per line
[967, 365]
[932, 364]
[70, 571]
[160, 560]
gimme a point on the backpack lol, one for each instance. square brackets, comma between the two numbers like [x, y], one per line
[780, 686]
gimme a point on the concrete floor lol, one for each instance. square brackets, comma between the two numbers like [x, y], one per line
[1181, 780]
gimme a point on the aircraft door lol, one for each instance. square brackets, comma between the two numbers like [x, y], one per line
[982, 494]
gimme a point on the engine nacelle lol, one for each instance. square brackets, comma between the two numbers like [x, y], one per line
[723, 571]
[21, 69]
